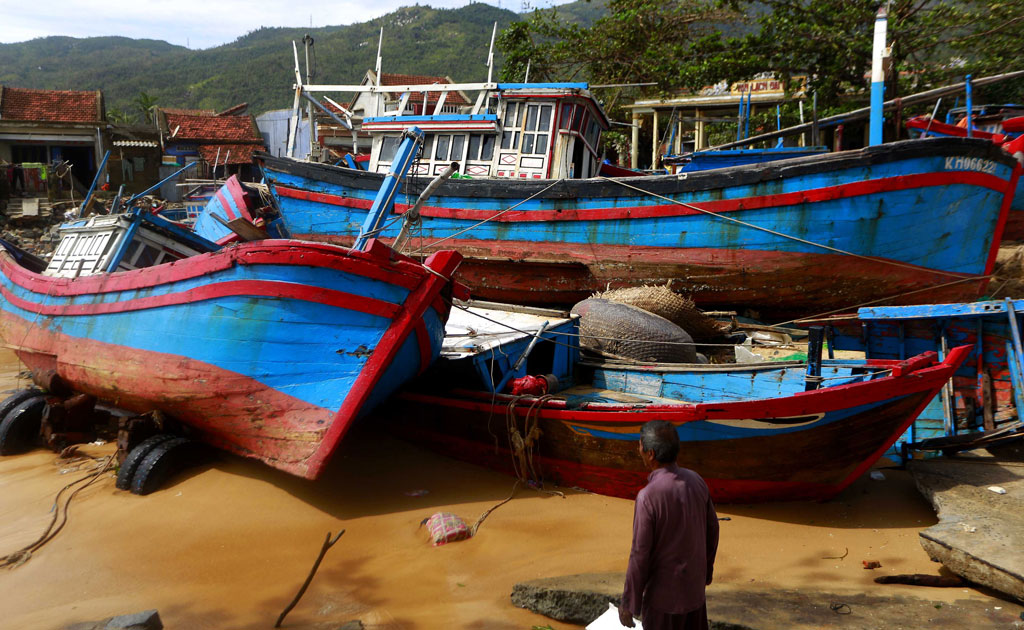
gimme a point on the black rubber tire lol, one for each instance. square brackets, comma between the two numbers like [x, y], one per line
[160, 463]
[126, 473]
[19, 429]
[16, 398]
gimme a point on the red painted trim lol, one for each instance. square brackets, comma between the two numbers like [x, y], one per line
[423, 339]
[1004, 214]
[378, 263]
[802, 403]
[231, 288]
[853, 189]
[444, 263]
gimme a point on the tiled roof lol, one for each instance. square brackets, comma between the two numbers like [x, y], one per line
[223, 128]
[239, 153]
[49, 105]
[189, 112]
[454, 98]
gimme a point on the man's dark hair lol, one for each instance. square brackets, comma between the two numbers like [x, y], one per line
[660, 437]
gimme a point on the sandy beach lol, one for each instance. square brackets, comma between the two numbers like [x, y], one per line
[227, 545]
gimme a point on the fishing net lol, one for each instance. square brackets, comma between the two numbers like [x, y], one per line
[625, 331]
[663, 301]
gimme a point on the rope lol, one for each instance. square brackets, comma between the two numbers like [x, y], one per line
[498, 214]
[891, 297]
[773, 232]
[22, 556]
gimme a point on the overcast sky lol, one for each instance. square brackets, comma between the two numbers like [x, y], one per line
[196, 23]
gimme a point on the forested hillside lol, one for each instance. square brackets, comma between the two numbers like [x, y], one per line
[257, 68]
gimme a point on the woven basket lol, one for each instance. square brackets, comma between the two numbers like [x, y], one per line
[666, 303]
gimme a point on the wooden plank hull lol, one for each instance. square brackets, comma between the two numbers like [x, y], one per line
[269, 349]
[919, 216]
[808, 446]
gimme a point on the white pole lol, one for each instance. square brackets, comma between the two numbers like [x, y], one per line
[878, 78]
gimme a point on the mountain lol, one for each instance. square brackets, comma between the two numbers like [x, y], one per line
[258, 67]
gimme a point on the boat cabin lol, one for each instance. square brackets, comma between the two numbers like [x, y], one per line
[121, 242]
[519, 130]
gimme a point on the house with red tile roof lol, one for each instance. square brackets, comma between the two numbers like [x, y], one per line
[223, 143]
[46, 126]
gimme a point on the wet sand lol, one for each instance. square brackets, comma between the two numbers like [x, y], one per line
[227, 545]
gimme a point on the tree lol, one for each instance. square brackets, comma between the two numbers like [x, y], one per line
[144, 104]
[637, 41]
[120, 116]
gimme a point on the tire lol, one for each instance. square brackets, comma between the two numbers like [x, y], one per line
[16, 398]
[161, 463]
[19, 429]
[126, 473]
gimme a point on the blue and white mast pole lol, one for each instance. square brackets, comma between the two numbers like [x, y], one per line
[878, 77]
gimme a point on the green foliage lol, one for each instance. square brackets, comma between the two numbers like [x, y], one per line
[637, 41]
[256, 68]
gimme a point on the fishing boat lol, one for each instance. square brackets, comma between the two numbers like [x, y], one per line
[706, 160]
[755, 432]
[1005, 133]
[982, 399]
[270, 349]
[913, 221]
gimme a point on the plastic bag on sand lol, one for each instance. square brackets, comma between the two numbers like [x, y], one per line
[445, 527]
[610, 621]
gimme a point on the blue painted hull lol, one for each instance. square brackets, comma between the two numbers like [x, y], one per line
[806, 235]
[270, 349]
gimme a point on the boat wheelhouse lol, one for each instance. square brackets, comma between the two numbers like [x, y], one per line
[521, 130]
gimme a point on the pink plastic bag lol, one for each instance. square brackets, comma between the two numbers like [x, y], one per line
[445, 527]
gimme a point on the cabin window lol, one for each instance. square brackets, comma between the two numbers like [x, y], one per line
[510, 140]
[428, 144]
[566, 116]
[577, 119]
[129, 253]
[147, 257]
[593, 133]
[538, 118]
[457, 144]
[441, 147]
[481, 147]
[510, 114]
[388, 147]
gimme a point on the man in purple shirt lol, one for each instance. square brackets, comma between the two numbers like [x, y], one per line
[675, 538]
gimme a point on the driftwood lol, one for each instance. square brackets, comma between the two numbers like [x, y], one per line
[328, 543]
[922, 579]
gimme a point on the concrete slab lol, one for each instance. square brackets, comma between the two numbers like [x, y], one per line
[580, 599]
[980, 532]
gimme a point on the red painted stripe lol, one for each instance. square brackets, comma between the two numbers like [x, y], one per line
[224, 203]
[853, 189]
[233, 288]
[423, 339]
[1004, 213]
[379, 263]
[444, 263]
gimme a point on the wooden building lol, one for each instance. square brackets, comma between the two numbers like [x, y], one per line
[680, 123]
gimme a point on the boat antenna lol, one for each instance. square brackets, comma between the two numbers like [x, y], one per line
[380, 44]
[490, 53]
[526, 79]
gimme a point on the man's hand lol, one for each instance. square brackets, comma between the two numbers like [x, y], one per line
[626, 617]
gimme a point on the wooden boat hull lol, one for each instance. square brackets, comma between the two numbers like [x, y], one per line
[268, 349]
[919, 216]
[809, 446]
[1015, 221]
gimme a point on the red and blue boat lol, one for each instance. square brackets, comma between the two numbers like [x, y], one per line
[270, 349]
[907, 222]
[1007, 134]
[754, 432]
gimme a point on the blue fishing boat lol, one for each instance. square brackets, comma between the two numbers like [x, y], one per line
[270, 349]
[985, 393]
[907, 222]
[724, 158]
[512, 392]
